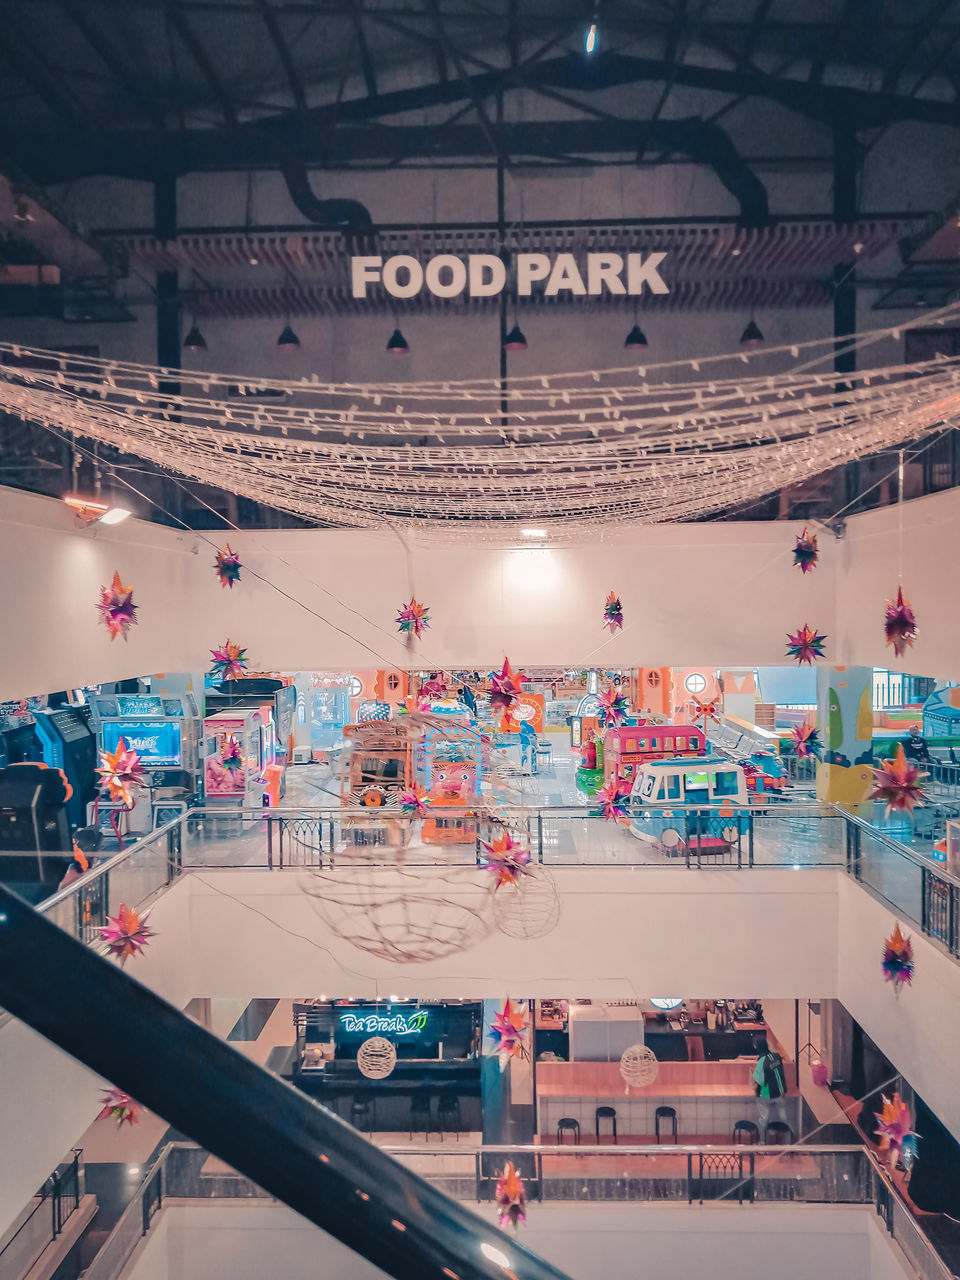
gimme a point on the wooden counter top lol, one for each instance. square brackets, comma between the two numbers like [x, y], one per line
[674, 1080]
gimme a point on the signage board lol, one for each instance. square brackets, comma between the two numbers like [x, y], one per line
[155, 742]
[384, 1024]
[484, 275]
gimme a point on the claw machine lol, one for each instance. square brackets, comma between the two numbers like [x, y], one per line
[233, 761]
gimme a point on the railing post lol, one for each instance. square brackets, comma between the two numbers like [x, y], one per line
[540, 835]
[689, 1178]
[476, 1173]
[952, 944]
[925, 900]
[749, 839]
[269, 843]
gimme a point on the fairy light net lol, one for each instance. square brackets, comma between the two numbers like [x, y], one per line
[661, 442]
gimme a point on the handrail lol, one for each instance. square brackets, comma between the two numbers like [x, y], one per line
[286, 1143]
[104, 868]
[903, 850]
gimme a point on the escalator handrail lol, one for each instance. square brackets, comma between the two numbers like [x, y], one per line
[257, 1123]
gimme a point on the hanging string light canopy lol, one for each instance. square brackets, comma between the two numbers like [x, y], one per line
[670, 441]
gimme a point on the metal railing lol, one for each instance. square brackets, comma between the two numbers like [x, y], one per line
[849, 1175]
[55, 1202]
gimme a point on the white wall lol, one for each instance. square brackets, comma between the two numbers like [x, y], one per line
[620, 934]
[46, 1101]
[723, 594]
[919, 1030]
[661, 1241]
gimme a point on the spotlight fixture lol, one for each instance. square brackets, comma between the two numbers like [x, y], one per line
[515, 341]
[590, 39]
[288, 340]
[751, 336]
[397, 344]
[253, 260]
[636, 337]
[93, 511]
[194, 341]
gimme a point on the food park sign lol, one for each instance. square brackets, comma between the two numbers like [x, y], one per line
[483, 275]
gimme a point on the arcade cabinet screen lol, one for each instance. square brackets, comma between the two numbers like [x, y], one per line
[156, 742]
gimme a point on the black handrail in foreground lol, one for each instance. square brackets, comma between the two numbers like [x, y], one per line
[264, 1128]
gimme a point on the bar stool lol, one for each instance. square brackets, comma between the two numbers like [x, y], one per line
[745, 1132]
[420, 1109]
[666, 1114]
[568, 1124]
[448, 1108]
[606, 1113]
[778, 1134]
[360, 1114]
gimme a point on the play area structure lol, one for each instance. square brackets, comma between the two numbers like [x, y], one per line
[618, 755]
[712, 786]
[449, 762]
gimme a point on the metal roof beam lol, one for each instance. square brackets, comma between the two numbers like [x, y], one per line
[198, 53]
[366, 58]
[134, 84]
[283, 53]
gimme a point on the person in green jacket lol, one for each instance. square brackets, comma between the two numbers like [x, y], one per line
[770, 1086]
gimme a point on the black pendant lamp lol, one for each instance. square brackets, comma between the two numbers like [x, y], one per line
[752, 335]
[397, 344]
[515, 340]
[288, 340]
[194, 341]
[636, 337]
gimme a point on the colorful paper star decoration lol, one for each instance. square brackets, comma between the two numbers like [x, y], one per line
[229, 661]
[806, 645]
[898, 960]
[504, 688]
[119, 1106]
[227, 567]
[613, 709]
[507, 859]
[413, 618]
[413, 803]
[509, 1033]
[121, 774]
[893, 1124]
[118, 613]
[125, 934]
[613, 614]
[511, 1198]
[705, 710]
[230, 754]
[805, 553]
[897, 782]
[899, 624]
[613, 801]
[806, 739]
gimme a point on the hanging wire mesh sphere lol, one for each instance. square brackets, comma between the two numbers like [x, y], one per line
[530, 908]
[376, 1058]
[638, 1066]
[406, 913]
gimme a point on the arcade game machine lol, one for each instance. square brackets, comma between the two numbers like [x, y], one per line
[69, 744]
[34, 836]
[375, 772]
[277, 703]
[233, 760]
[164, 732]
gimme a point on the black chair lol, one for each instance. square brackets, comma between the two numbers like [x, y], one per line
[420, 1110]
[448, 1110]
[665, 1114]
[360, 1114]
[778, 1134]
[568, 1125]
[745, 1132]
[606, 1113]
